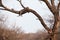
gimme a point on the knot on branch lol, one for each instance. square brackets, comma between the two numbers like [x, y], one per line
[50, 31]
[24, 11]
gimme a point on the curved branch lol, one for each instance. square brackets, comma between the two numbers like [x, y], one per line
[21, 3]
[7, 9]
[23, 11]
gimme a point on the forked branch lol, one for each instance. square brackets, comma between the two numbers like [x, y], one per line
[51, 8]
[25, 10]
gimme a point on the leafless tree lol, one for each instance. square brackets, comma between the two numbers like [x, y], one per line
[55, 11]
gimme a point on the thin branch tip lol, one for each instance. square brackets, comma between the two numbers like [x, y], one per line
[21, 3]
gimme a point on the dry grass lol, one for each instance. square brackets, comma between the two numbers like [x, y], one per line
[13, 35]
[6, 34]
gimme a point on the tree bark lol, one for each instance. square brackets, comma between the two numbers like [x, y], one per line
[53, 34]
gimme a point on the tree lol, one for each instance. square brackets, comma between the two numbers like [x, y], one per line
[54, 9]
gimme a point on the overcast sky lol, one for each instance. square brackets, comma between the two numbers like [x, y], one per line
[27, 22]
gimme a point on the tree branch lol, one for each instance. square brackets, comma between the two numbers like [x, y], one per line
[56, 23]
[21, 3]
[52, 9]
[58, 7]
[57, 19]
[53, 4]
[7, 9]
[0, 3]
[10, 10]
[23, 11]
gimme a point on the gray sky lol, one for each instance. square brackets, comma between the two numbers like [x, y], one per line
[28, 21]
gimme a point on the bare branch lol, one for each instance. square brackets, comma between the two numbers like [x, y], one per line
[5, 8]
[0, 2]
[52, 9]
[21, 3]
[57, 19]
[58, 7]
[56, 23]
[52, 2]
[10, 10]
[23, 11]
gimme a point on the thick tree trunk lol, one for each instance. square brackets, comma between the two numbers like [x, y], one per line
[53, 35]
